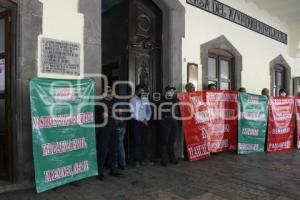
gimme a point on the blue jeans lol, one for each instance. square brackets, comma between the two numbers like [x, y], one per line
[120, 154]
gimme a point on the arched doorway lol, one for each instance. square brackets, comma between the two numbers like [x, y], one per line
[131, 47]
[115, 30]
[141, 43]
[132, 50]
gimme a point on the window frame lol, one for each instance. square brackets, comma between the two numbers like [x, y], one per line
[221, 55]
[279, 69]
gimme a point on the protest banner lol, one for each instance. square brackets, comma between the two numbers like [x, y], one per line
[281, 124]
[297, 104]
[253, 116]
[195, 124]
[222, 110]
[63, 131]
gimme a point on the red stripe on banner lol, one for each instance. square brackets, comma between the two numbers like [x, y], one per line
[281, 124]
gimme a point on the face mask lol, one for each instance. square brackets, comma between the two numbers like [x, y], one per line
[283, 94]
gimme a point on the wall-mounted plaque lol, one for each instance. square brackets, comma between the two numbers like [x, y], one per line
[60, 57]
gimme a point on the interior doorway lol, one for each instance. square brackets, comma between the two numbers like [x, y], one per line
[111, 72]
[132, 48]
[131, 34]
[6, 153]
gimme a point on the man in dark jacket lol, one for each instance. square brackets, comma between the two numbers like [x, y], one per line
[168, 126]
[107, 140]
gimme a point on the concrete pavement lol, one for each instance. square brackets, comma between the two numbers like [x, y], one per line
[223, 176]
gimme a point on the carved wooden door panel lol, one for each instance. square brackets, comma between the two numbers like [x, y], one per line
[145, 21]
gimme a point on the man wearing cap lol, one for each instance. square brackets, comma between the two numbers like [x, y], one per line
[168, 111]
[107, 140]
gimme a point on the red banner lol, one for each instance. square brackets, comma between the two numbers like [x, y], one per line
[281, 124]
[297, 102]
[195, 124]
[223, 112]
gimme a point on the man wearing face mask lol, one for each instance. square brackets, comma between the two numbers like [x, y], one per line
[168, 111]
[282, 92]
[141, 112]
[106, 140]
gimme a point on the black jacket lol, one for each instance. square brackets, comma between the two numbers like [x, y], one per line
[166, 108]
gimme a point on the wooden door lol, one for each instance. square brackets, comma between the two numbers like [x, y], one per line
[145, 32]
[5, 94]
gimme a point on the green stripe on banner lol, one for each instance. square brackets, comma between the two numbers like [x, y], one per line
[253, 115]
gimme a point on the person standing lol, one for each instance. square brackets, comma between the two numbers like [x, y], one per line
[265, 92]
[211, 86]
[120, 160]
[242, 89]
[106, 140]
[282, 92]
[168, 126]
[190, 87]
[141, 111]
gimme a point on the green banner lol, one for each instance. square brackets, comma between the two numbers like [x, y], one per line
[253, 115]
[63, 131]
